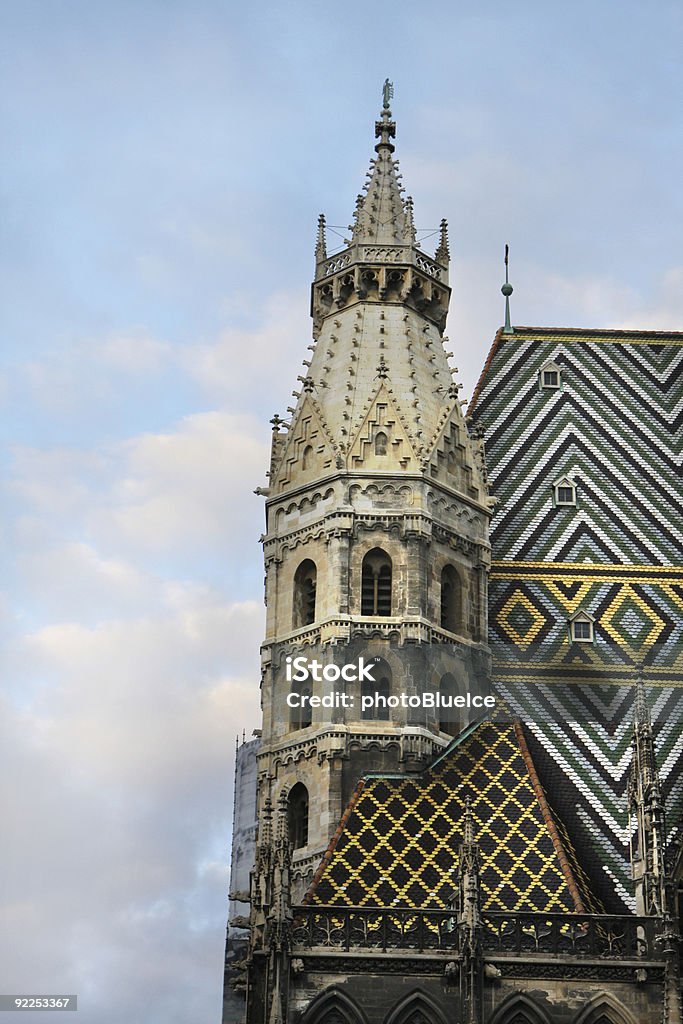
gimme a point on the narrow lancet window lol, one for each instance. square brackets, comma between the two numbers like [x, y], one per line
[378, 692]
[298, 816]
[451, 600]
[448, 690]
[304, 594]
[300, 715]
[376, 583]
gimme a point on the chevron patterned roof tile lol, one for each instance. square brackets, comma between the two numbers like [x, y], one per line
[614, 426]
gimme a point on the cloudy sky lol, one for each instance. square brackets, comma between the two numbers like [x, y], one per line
[163, 167]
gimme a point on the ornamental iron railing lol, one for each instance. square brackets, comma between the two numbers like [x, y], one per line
[517, 934]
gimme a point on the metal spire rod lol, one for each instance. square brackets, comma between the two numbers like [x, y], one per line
[507, 292]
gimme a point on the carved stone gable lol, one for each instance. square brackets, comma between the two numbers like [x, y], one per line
[383, 440]
[308, 451]
[453, 459]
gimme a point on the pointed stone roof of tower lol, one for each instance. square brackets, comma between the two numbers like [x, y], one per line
[382, 216]
[381, 396]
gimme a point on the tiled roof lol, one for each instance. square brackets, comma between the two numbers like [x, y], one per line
[613, 426]
[398, 844]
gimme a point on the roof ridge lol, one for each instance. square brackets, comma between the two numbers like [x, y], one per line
[331, 846]
[549, 819]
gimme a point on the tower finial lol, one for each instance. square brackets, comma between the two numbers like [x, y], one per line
[442, 254]
[320, 242]
[507, 292]
[385, 129]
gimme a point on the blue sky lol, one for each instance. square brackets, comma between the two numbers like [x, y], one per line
[163, 168]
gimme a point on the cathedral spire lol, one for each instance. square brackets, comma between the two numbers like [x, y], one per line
[382, 215]
[320, 241]
[647, 807]
[442, 254]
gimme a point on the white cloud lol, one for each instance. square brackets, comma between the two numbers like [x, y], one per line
[133, 353]
[177, 494]
[128, 670]
[663, 312]
[117, 779]
[188, 487]
[244, 364]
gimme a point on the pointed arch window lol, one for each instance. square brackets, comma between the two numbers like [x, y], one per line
[297, 813]
[381, 443]
[300, 713]
[376, 583]
[305, 580]
[380, 691]
[448, 690]
[519, 1009]
[604, 1009]
[416, 1008]
[451, 600]
[333, 1007]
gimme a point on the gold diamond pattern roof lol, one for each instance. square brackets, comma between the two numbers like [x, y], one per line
[399, 845]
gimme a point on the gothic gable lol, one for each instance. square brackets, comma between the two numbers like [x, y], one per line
[454, 459]
[383, 441]
[309, 451]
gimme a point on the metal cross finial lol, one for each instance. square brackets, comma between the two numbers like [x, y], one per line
[387, 93]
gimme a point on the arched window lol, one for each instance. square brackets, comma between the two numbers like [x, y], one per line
[300, 715]
[416, 1008]
[604, 1009]
[298, 816]
[376, 583]
[304, 594]
[519, 1009]
[379, 691]
[307, 457]
[333, 1007]
[451, 600]
[381, 442]
[448, 718]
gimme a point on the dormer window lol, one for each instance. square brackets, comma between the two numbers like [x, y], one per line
[581, 628]
[565, 491]
[550, 377]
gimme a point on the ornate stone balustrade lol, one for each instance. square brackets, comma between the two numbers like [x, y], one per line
[405, 254]
[597, 936]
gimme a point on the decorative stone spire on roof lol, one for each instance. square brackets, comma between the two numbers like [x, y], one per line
[320, 242]
[442, 254]
[382, 215]
[646, 805]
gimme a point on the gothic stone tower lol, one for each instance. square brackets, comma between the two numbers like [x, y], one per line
[376, 540]
[408, 866]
